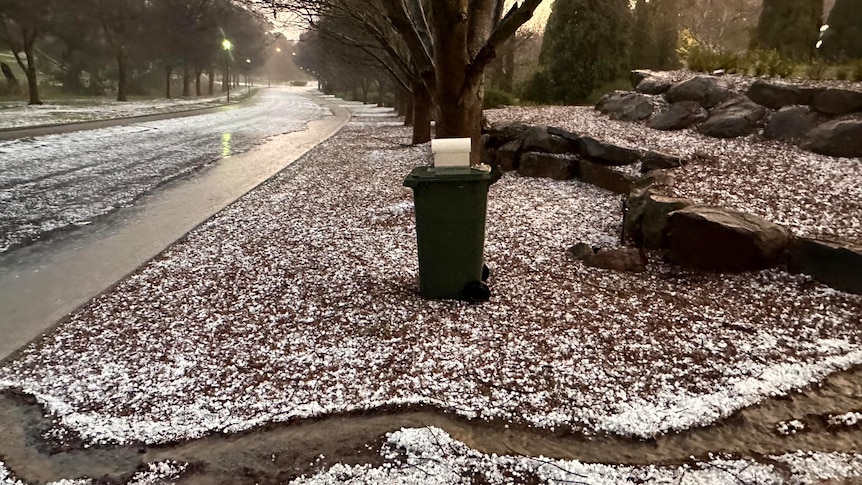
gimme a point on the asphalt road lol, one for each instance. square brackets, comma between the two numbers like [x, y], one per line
[57, 182]
[44, 280]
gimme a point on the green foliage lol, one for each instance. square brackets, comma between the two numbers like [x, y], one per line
[621, 84]
[702, 59]
[856, 73]
[536, 88]
[842, 73]
[655, 35]
[495, 98]
[790, 27]
[761, 62]
[586, 43]
[816, 70]
[843, 39]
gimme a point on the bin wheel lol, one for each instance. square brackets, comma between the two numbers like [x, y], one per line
[486, 272]
[477, 292]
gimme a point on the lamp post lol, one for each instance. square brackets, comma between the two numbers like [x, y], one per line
[226, 45]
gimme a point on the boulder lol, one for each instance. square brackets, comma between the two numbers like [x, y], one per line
[774, 96]
[680, 115]
[625, 106]
[627, 260]
[638, 75]
[538, 164]
[837, 102]
[654, 85]
[708, 91]
[639, 191]
[581, 251]
[538, 139]
[653, 224]
[790, 122]
[835, 263]
[605, 177]
[500, 133]
[659, 161]
[606, 153]
[736, 117]
[838, 138]
[506, 157]
[717, 239]
[568, 135]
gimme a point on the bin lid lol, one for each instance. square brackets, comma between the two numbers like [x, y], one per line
[449, 174]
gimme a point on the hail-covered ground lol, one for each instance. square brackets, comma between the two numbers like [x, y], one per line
[300, 300]
[52, 182]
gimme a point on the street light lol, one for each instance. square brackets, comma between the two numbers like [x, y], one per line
[226, 45]
[248, 76]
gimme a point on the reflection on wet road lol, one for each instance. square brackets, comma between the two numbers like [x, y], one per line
[54, 182]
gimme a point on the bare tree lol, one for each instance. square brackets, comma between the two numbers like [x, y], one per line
[22, 22]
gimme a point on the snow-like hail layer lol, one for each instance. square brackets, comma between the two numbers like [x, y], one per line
[56, 181]
[814, 195]
[429, 456]
[300, 300]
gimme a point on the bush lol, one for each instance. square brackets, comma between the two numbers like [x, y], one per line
[842, 73]
[707, 60]
[298, 83]
[816, 70]
[495, 98]
[856, 75]
[768, 63]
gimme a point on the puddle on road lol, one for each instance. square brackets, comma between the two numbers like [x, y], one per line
[278, 452]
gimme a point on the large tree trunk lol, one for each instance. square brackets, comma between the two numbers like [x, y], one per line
[187, 81]
[422, 108]
[12, 84]
[169, 70]
[30, 71]
[122, 77]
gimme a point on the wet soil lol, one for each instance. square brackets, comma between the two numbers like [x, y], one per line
[279, 452]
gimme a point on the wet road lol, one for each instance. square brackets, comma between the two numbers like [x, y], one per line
[56, 182]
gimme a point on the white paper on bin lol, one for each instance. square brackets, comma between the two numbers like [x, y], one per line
[451, 152]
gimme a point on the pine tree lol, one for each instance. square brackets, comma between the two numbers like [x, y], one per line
[843, 39]
[655, 34]
[586, 44]
[789, 26]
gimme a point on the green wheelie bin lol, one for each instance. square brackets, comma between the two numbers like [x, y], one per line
[450, 206]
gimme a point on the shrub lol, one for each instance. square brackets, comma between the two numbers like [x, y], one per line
[707, 60]
[816, 70]
[856, 75]
[298, 83]
[842, 73]
[768, 63]
[495, 98]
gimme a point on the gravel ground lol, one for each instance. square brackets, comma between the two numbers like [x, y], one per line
[54, 182]
[300, 300]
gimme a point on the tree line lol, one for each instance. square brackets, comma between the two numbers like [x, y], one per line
[85, 45]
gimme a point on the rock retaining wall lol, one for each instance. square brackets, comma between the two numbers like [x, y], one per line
[689, 234]
[822, 120]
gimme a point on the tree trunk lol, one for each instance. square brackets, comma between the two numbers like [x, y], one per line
[30, 71]
[364, 87]
[187, 81]
[224, 79]
[122, 77]
[422, 107]
[169, 70]
[198, 73]
[12, 84]
[211, 80]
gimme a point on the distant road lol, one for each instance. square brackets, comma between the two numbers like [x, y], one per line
[55, 182]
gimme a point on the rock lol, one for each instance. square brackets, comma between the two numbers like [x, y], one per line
[653, 224]
[659, 161]
[654, 85]
[605, 177]
[680, 115]
[506, 157]
[628, 260]
[717, 239]
[736, 117]
[636, 76]
[707, 91]
[500, 133]
[537, 164]
[835, 263]
[654, 180]
[774, 96]
[538, 139]
[838, 138]
[790, 122]
[581, 251]
[486, 125]
[568, 135]
[625, 106]
[837, 102]
[605, 153]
